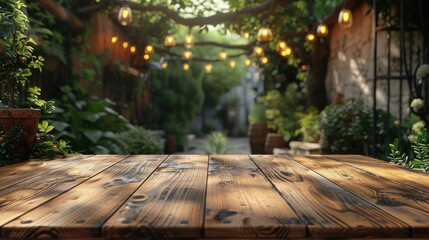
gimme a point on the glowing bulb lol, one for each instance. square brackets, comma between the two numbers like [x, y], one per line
[345, 18]
[208, 68]
[187, 55]
[164, 65]
[186, 66]
[246, 35]
[247, 62]
[281, 45]
[286, 53]
[149, 49]
[133, 49]
[146, 56]
[304, 68]
[125, 44]
[169, 41]
[223, 56]
[264, 60]
[322, 30]
[310, 37]
[232, 64]
[258, 51]
[189, 42]
[125, 16]
[114, 39]
[264, 35]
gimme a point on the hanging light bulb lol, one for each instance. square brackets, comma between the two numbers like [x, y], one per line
[187, 55]
[223, 56]
[247, 62]
[281, 45]
[304, 68]
[164, 65]
[258, 51]
[264, 35]
[322, 30]
[286, 52]
[133, 49]
[189, 41]
[186, 66]
[114, 39]
[232, 64]
[146, 56]
[149, 49]
[125, 44]
[169, 41]
[246, 35]
[345, 18]
[125, 15]
[263, 60]
[208, 68]
[310, 37]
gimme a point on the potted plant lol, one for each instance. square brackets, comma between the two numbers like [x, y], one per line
[17, 60]
[258, 129]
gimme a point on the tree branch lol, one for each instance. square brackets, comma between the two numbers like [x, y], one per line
[197, 21]
[61, 13]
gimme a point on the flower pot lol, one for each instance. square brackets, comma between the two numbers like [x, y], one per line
[257, 133]
[274, 140]
[28, 120]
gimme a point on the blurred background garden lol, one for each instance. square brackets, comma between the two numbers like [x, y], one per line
[190, 76]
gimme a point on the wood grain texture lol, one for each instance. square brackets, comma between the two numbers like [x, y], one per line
[327, 209]
[26, 195]
[242, 203]
[170, 204]
[16, 173]
[81, 211]
[402, 202]
[413, 179]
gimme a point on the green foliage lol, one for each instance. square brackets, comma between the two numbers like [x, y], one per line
[8, 144]
[90, 126]
[47, 146]
[419, 157]
[282, 108]
[257, 114]
[309, 125]
[140, 141]
[217, 143]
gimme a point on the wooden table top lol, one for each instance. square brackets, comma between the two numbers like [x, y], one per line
[218, 196]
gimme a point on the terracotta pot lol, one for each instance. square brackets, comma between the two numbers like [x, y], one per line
[26, 118]
[257, 133]
[274, 140]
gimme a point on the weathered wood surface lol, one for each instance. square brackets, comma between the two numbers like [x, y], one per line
[219, 196]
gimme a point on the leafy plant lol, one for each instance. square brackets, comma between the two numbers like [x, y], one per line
[419, 156]
[8, 143]
[140, 141]
[217, 143]
[47, 146]
[257, 114]
[309, 125]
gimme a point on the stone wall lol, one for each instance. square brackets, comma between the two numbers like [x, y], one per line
[351, 66]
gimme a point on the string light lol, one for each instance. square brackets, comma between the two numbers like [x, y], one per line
[223, 56]
[125, 15]
[264, 35]
[322, 30]
[208, 68]
[286, 53]
[345, 18]
[186, 66]
[258, 51]
[164, 65]
[189, 42]
[125, 44]
[187, 55]
[281, 45]
[169, 41]
[304, 68]
[133, 49]
[246, 35]
[149, 49]
[310, 37]
[263, 60]
[114, 39]
[247, 62]
[146, 56]
[232, 64]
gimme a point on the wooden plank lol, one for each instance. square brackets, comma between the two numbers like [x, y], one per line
[81, 211]
[404, 203]
[411, 178]
[16, 173]
[329, 210]
[170, 204]
[242, 203]
[26, 195]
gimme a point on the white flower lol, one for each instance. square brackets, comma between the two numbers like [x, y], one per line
[422, 71]
[412, 138]
[417, 104]
[418, 126]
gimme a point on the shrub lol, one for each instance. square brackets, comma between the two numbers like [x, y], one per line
[140, 141]
[217, 143]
